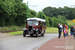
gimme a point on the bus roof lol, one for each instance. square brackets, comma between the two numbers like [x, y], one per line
[38, 19]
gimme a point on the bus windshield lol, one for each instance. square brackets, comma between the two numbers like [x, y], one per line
[32, 22]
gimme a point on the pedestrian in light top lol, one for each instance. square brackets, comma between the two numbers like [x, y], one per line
[61, 25]
[59, 30]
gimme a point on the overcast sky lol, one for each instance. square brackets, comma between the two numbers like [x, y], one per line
[37, 5]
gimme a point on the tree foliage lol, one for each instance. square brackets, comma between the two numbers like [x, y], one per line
[54, 20]
[14, 12]
[68, 12]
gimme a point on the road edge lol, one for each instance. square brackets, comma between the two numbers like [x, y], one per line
[44, 43]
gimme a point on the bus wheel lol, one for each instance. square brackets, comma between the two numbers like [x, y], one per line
[43, 33]
[24, 34]
[37, 34]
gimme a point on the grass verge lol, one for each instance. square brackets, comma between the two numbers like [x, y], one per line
[48, 30]
[51, 30]
[15, 33]
[70, 22]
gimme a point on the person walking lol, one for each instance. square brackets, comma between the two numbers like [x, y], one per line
[62, 29]
[59, 30]
[66, 29]
[61, 25]
[74, 31]
[65, 33]
[71, 30]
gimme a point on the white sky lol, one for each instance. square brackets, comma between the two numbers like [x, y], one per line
[38, 5]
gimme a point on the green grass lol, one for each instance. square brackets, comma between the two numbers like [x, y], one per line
[70, 22]
[48, 30]
[51, 30]
[15, 33]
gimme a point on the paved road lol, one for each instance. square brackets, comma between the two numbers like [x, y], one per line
[24, 43]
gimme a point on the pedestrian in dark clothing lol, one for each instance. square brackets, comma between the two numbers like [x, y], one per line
[74, 32]
[71, 30]
[59, 30]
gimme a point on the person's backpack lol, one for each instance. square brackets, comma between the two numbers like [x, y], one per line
[74, 31]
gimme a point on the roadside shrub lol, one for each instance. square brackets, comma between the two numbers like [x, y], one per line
[15, 28]
[55, 21]
[7, 29]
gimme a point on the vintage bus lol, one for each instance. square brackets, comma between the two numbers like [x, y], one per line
[35, 26]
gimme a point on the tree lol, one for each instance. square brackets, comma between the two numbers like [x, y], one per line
[50, 21]
[6, 11]
[68, 12]
[33, 13]
[55, 21]
[21, 0]
[21, 11]
[51, 11]
[43, 17]
[62, 19]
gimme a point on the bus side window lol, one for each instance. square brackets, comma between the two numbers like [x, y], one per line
[40, 23]
[43, 24]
